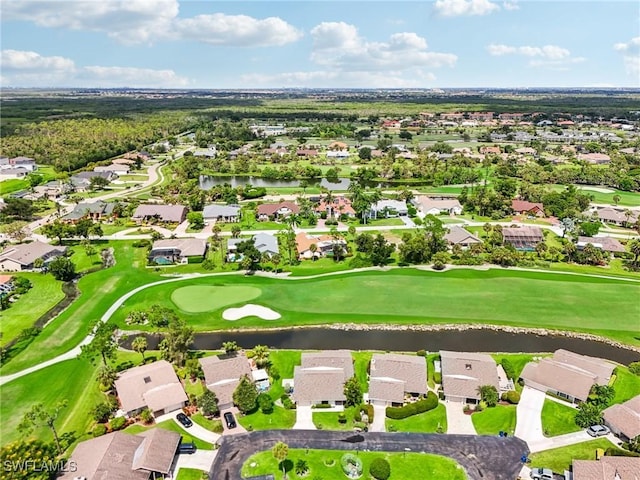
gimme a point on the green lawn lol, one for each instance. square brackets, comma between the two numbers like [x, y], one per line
[558, 419]
[190, 474]
[360, 363]
[427, 422]
[329, 420]
[284, 361]
[325, 464]
[626, 385]
[559, 459]
[517, 360]
[493, 420]
[405, 296]
[280, 418]
[214, 425]
[174, 427]
[43, 295]
[204, 298]
[72, 380]
[82, 260]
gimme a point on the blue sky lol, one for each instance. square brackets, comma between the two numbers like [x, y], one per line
[357, 44]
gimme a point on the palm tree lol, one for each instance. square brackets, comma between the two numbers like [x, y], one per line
[235, 231]
[313, 248]
[140, 345]
[276, 259]
[261, 355]
[230, 347]
[106, 376]
[487, 229]
[634, 247]
[616, 199]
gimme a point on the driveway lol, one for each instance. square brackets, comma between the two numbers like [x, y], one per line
[304, 419]
[200, 460]
[482, 457]
[529, 416]
[408, 222]
[566, 440]
[379, 415]
[457, 421]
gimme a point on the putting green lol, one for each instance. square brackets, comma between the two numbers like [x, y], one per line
[205, 298]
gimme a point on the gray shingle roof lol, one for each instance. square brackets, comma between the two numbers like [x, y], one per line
[411, 369]
[166, 213]
[26, 253]
[464, 372]
[215, 211]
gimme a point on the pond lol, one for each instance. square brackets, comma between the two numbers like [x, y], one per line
[474, 340]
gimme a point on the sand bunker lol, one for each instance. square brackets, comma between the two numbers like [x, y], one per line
[250, 310]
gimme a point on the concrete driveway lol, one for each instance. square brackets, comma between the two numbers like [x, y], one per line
[565, 440]
[482, 457]
[304, 419]
[457, 421]
[529, 416]
[379, 415]
[200, 460]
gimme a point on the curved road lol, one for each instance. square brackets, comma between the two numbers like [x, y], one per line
[482, 457]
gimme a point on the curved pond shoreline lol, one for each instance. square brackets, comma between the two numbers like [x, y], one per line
[432, 338]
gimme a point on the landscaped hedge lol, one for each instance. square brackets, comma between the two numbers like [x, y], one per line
[511, 396]
[618, 452]
[421, 406]
[368, 409]
[380, 469]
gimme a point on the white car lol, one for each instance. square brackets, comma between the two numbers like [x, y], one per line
[598, 430]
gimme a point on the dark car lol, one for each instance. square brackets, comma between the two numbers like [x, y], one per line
[231, 422]
[187, 448]
[184, 420]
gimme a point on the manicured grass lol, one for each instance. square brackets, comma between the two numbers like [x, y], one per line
[360, 363]
[325, 464]
[205, 298]
[558, 419]
[214, 425]
[284, 361]
[517, 360]
[427, 422]
[626, 385]
[329, 420]
[503, 297]
[72, 380]
[190, 474]
[99, 291]
[495, 419]
[280, 418]
[559, 459]
[45, 292]
[82, 260]
[174, 427]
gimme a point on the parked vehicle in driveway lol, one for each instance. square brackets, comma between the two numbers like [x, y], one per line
[598, 430]
[184, 420]
[231, 422]
[187, 448]
[541, 474]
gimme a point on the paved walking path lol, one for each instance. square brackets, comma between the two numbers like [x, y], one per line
[457, 421]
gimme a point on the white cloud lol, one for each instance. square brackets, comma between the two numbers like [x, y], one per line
[510, 5]
[456, 8]
[237, 30]
[549, 56]
[147, 21]
[630, 55]
[30, 69]
[337, 45]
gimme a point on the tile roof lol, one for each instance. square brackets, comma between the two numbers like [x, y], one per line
[134, 384]
[188, 247]
[272, 208]
[464, 372]
[525, 206]
[608, 244]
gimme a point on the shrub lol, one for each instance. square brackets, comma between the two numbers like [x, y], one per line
[216, 426]
[351, 465]
[368, 409]
[357, 416]
[634, 367]
[618, 452]
[146, 416]
[421, 353]
[482, 405]
[437, 377]
[265, 402]
[287, 402]
[321, 405]
[508, 368]
[380, 469]
[99, 430]
[511, 396]
[342, 418]
[117, 423]
[101, 412]
[421, 406]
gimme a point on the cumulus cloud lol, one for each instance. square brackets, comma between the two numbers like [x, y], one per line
[457, 8]
[339, 46]
[551, 56]
[630, 55]
[510, 5]
[147, 21]
[30, 69]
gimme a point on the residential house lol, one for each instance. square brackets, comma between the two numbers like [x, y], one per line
[624, 418]
[490, 150]
[154, 386]
[6, 284]
[606, 244]
[307, 152]
[394, 376]
[27, 163]
[321, 377]
[463, 373]
[276, 211]
[389, 208]
[606, 468]
[336, 206]
[526, 151]
[523, 207]
[117, 168]
[16, 258]
[222, 376]
[265, 243]
[221, 213]
[459, 236]
[97, 212]
[82, 181]
[433, 206]
[268, 130]
[13, 173]
[209, 152]
[324, 244]
[122, 456]
[160, 213]
[177, 250]
[616, 216]
[567, 374]
[522, 238]
[595, 158]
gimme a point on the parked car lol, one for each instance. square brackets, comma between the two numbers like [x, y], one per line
[541, 474]
[231, 422]
[187, 448]
[184, 420]
[598, 430]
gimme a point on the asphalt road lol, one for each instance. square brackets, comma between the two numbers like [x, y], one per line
[483, 457]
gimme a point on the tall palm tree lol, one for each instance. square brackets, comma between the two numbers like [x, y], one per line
[140, 345]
